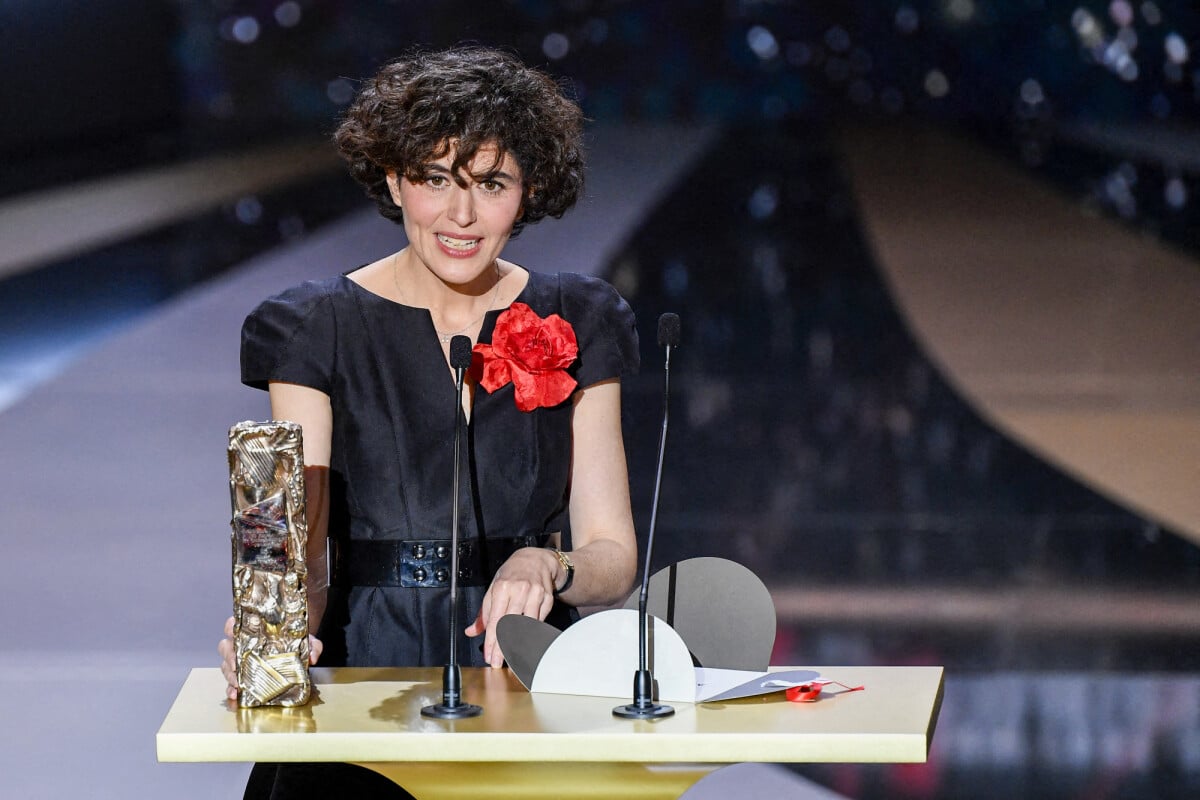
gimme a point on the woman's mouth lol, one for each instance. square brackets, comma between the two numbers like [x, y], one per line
[458, 247]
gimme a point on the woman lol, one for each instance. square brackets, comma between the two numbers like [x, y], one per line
[462, 147]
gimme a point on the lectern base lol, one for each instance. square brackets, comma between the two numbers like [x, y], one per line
[481, 780]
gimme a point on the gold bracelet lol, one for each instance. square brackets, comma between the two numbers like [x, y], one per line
[568, 566]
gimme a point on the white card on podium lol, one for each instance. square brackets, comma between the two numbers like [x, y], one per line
[598, 656]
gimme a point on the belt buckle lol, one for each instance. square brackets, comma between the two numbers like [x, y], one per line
[425, 563]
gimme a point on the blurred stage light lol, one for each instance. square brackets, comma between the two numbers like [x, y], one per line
[763, 202]
[1175, 193]
[762, 42]
[248, 210]
[1118, 59]
[960, 10]
[1088, 29]
[288, 14]
[937, 85]
[1121, 12]
[340, 91]
[1177, 48]
[907, 20]
[1118, 190]
[1031, 92]
[556, 46]
[245, 30]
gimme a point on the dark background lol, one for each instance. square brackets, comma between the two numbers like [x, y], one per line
[102, 85]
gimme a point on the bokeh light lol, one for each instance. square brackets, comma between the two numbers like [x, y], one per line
[762, 42]
[288, 14]
[960, 10]
[1177, 48]
[245, 30]
[936, 84]
[556, 46]
[907, 20]
[1175, 193]
[340, 91]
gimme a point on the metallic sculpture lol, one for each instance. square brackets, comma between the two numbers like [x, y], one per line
[270, 629]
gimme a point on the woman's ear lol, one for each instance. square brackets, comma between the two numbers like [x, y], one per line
[393, 182]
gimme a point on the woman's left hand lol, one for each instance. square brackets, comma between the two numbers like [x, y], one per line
[524, 585]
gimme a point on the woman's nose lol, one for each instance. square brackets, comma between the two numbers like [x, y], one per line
[462, 206]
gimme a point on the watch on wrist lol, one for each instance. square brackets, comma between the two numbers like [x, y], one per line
[568, 566]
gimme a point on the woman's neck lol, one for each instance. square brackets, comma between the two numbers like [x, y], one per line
[454, 308]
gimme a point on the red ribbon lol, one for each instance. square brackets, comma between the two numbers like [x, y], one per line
[811, 692]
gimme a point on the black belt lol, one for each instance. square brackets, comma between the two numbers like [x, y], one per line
[424, 563]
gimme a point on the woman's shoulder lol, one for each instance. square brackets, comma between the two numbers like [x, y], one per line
[603, 321]
[572, 291]
[303, 303]
[297, 324]
[303, 297]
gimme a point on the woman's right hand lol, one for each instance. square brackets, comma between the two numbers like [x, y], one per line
[226, 648]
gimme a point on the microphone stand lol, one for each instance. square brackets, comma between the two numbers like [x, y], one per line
[452, 706]
[643, 705]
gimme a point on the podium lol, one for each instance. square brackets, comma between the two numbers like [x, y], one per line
[536, 745]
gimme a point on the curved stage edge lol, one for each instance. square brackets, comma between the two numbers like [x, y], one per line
[1067, 330]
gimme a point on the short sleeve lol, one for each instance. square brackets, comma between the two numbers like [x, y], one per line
[605, 329]
[291, 338]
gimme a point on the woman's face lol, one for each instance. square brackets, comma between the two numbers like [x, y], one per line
[456, 231]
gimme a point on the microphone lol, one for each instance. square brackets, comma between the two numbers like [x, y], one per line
[643, 705]
[452, 706]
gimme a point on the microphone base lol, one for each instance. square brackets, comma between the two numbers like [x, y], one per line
[459, 711]
[643, 705]
[648, 711]
[452, 706]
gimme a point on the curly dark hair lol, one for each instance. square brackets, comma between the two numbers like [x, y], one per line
[416, 106]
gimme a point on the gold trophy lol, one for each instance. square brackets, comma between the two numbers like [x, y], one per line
[270, 607]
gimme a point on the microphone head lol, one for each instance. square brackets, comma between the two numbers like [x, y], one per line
[460, 352]
[668, 330]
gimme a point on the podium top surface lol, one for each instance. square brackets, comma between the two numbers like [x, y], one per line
[373, 715]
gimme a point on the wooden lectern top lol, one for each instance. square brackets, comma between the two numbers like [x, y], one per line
[373, 715]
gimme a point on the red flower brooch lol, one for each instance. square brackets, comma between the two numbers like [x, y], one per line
[533, 354]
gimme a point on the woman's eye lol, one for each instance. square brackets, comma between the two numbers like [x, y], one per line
[436, 181]
[492, 186]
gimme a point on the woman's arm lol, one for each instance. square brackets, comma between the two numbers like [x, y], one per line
[604, 549]
[311, 410]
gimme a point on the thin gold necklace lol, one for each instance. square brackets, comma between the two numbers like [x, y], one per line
[446, 337]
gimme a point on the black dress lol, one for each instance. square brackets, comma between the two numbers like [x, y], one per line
[393, 401]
